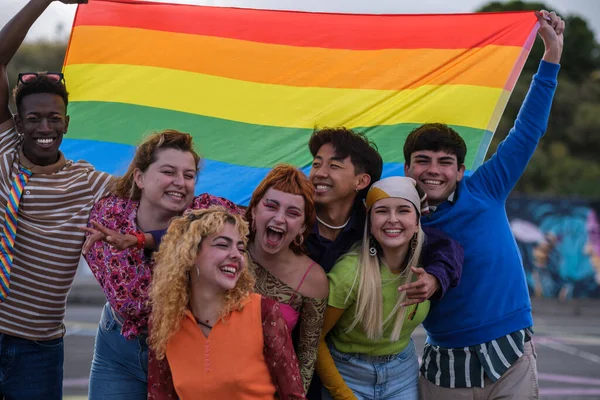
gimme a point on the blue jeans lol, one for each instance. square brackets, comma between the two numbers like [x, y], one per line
[373, 380]
[31, 369]
[120, 366]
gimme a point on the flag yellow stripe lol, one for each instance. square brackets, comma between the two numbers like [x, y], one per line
[278, 105]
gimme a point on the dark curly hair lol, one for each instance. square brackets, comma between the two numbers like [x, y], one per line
[40, 84]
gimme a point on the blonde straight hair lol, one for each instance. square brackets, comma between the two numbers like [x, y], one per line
[369, 300]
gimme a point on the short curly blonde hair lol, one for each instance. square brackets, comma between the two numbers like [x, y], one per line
[170, 289]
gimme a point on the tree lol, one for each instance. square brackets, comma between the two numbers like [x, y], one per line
[566, 162]
[37, 57]
[582, 53]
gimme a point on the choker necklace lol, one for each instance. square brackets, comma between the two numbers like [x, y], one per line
[331, 226]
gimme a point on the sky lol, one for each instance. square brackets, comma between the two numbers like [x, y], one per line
[61, 15]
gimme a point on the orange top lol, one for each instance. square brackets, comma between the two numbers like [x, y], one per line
[228, 364]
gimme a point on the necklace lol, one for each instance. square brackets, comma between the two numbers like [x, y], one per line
[203, 323]
[331, 226]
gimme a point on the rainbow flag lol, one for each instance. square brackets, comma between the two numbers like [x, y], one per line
[250, 85]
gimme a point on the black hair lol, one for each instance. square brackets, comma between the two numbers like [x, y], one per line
[435, 137]
[40, 84]
[362, 151]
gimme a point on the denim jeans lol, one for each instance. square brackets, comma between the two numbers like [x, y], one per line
[31, 369]
[394, 379]
[120, 366]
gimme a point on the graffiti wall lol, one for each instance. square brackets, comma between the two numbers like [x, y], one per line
[560, 245]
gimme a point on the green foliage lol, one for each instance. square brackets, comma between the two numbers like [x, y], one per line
[566, 163]
[581, 55]
[37, 57]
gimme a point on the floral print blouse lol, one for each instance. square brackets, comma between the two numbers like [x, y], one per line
[125, 275]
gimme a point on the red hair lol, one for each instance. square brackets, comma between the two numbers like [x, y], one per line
[288, 179]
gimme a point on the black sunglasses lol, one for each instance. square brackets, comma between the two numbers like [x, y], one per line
[28, 77]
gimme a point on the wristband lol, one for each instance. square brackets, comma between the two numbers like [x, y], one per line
[141, 239]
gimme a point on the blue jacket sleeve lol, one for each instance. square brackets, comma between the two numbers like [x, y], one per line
[499, 175]
[443, 258]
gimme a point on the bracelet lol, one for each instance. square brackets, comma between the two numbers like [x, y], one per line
[141, 239]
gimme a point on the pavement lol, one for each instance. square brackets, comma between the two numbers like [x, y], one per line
[567, 340]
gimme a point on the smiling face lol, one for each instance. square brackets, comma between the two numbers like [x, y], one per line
[437, 173]
[43, 120]
[334, 178]
[279, 218]
[220, 259]
[393, 223]
[168, 183]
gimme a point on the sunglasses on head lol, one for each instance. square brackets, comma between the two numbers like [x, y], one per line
[28, 77]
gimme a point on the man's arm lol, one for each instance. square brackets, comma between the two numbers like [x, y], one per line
[11, 37]
[497, 176]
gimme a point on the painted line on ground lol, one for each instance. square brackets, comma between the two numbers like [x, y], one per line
[553, 344]
[551, 392]
[81, 325]
[570, 339]
[81, 328]
[582, 380]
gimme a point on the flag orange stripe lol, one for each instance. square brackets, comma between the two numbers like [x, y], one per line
[294, 66]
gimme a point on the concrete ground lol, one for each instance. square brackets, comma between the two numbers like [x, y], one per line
[567, 339]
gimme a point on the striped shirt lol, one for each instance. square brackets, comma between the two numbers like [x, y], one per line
[467, 367]
[56, 200]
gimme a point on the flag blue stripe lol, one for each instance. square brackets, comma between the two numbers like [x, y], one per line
[234, 182]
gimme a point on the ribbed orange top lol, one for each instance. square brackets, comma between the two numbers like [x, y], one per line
[228, 364]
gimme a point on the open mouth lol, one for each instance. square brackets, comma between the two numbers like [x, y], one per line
[229, 271]
[274, 236]
[432, 182]
[175, 195]
[321, 188]
[45, 142]
[392, 232]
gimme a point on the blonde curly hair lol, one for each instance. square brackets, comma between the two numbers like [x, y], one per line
[170, 289]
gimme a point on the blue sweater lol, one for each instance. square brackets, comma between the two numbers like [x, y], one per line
[492, 298]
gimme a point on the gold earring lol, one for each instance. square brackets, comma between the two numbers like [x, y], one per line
[299, 242]
[413, 242]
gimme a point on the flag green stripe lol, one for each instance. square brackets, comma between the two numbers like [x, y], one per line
[230, 141]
